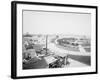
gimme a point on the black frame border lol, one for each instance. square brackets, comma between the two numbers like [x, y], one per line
[14, 38]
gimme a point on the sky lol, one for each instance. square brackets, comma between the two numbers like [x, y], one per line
[42, 22]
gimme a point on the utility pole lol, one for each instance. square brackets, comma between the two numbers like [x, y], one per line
[46, 43]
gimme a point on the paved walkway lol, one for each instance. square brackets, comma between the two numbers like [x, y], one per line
[74, 63]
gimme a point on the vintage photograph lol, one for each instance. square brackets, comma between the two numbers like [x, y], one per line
[53, 39]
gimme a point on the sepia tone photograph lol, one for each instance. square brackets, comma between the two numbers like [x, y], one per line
[55, 39]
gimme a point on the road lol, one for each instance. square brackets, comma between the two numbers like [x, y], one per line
[76, 59]
[62, 52]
